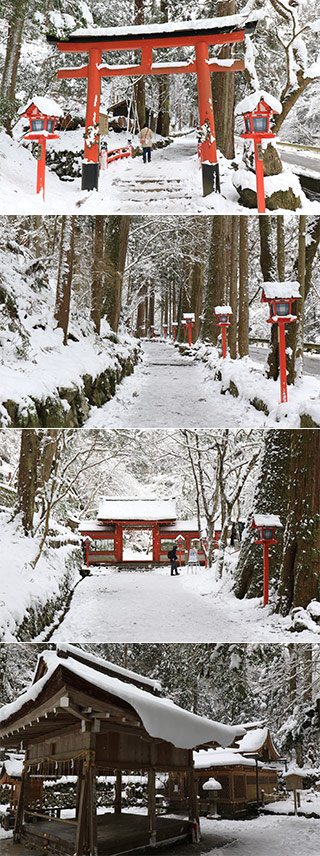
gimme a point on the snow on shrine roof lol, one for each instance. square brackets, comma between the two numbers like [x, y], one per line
[47, 106]
[250, 102]
[267, 520]
[226, 23]
[66, 650]
[281, 290]
[223, 310]
[113, 508]
[161, 718]
[185, 525]
[93, 526]
[254, 740]
[204, 760]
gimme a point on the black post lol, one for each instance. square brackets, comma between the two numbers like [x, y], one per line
[90, 176]
[210, 178]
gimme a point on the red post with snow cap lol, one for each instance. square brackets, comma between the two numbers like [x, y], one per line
[223, 314]
[265, 524]
[180, 546]
[174, 327]
[42, 113]
[189, 318]
[280, 296]
[257, 109]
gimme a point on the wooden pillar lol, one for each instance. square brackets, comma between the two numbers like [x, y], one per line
[92, 812]
[81, 830]
[209, 161]
[152, 806]
[22, 805]
[118, 543]
[117, 802]
[192, 793]
[156, 544]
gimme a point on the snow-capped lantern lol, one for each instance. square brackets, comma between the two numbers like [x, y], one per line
[42, 114]
[87, 541]
[223, 314]
[189, 318]
[184, 327]
[266, 524]
[180, 542]
[212, 788]
[143, 330]
[165, 330]
[280, 296]
[174, 327]
[257, 110]
[152, 331]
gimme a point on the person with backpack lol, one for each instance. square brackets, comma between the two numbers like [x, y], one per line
[172, 555]
[145, 138]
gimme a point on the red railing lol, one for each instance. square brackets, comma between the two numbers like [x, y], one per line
[107, 157]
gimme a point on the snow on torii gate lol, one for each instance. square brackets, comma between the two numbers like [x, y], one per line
[198, 34]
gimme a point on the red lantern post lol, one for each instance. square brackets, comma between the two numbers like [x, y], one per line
[189, 318]
[42, 114]
[180, 547]
[266, 525]
[184, 327]
[223, 313]
[165, 330]
[174, 327]
[257, 110]
[87, 541]
[280, 296]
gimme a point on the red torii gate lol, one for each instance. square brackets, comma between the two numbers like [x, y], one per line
[198, 34]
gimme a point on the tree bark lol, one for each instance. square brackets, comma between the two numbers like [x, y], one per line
[64, 280]
[233, 286]
[139, 86]
[27, 477]
[13, 49]
[163, 122]
[216, 280]
[97, 273]
[243, 331]
[224, 93]
[117, 235]
[295, 331]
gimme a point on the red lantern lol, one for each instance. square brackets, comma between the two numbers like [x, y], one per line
[174, 327]
[165, 330]
[189, 318]
[180, 541]
[87, 541]
[184, 327]
[280, 296]
[257, 110]
[223, 313]
[42, 114]
[265, 524]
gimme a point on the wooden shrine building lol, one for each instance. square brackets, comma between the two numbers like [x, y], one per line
[245, 782]
[84, 717]
[115, 516]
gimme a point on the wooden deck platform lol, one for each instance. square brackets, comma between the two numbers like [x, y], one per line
[117, 833]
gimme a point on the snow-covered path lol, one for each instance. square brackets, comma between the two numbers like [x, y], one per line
[168, 390]
[152, 606]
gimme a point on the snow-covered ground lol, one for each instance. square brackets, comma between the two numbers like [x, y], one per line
[152, 606]
[168, 390]
[309, 804]
[171, 183]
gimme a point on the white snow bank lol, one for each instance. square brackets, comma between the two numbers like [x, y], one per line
[286, 180]
[112, 508]
[250, 102]
[22, 587]
[281, 290]
[161, 717]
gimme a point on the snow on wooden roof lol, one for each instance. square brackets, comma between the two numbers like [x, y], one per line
[226, 23]
[281, 290]
[45, 105]
[223, 310]
[255, 740]
[113, 508]
[267, 520]
[93, 526]
[161, 718]
[250, 102]
[185, 525]
[204, 760]
[12, 767]
[65, 651]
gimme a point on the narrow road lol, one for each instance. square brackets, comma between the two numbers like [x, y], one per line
[311, 365]
[302, 159]
[155, 607]
[168, 390]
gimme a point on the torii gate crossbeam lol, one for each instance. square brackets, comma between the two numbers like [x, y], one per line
[199, 34]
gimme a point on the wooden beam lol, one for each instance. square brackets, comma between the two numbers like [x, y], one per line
[118, 789]
[76, 72]
[152, 807]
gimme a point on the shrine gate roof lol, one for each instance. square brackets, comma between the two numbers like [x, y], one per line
[137, 509]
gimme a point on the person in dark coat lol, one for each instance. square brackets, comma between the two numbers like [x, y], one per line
[233, 534]
[172, 555]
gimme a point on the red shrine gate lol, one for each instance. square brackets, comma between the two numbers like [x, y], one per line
[116, 516]
[199, 34]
